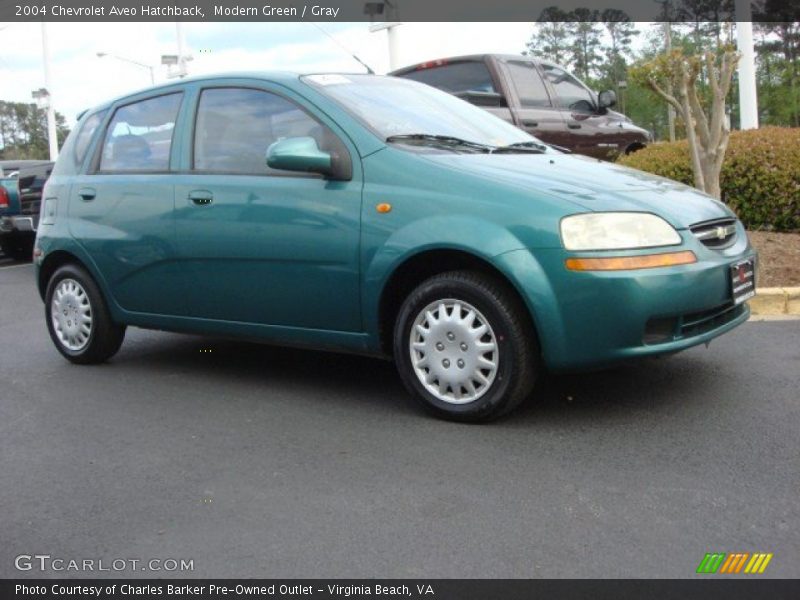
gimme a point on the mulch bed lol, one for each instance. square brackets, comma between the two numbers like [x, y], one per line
[778, 258]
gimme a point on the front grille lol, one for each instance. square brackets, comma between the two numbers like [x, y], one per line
[669, 329]
[719, 233]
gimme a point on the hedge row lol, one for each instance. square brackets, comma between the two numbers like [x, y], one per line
[760, 176]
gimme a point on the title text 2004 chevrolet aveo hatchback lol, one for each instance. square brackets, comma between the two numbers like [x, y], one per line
[382, 216]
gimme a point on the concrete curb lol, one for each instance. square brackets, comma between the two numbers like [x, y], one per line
[776, 301]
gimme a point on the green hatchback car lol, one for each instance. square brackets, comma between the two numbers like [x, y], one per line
[381, 216]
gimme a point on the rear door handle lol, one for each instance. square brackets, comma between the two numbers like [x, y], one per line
[574, 125]
[87, 194]
[201, 197]
[527, 123]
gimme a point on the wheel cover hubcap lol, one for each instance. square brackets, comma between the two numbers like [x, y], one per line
[71, 314]
[453, 351]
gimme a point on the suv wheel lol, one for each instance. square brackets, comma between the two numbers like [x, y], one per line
[464, 347]
[16, 248]
[78, 319]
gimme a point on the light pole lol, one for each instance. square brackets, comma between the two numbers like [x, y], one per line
[133, 62]
[748, 94]
[670, 108]
[390, 24]
[179, 60]
[44, 98]
[622, 86]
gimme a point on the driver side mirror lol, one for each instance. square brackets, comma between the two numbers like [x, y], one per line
[299, 154]
[606, 99]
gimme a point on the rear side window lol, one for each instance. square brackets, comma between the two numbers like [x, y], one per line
[530, 88]
[86, 134]
[139, 137]
[235, 126]
[465, 76]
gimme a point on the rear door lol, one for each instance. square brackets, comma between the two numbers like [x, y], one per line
[260, 245]
[535, 111]
[122, 210]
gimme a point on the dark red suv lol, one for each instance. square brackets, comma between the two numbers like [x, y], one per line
[540, 97]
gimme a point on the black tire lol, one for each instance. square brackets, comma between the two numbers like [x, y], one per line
[105, 337]
[17, 248]
[517, 347]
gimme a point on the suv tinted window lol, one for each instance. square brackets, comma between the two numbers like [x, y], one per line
[530, 88]
[235, 126]
[570, 93]
[139, 137]
[465, 76]
[86, 134]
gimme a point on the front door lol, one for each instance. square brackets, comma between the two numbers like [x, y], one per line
[588, 129]
[259, 245]
[534, 110]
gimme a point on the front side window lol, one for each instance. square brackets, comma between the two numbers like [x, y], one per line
[139, 137]
[528, 83]
[235, 126]
[465, 76]
[570, 92]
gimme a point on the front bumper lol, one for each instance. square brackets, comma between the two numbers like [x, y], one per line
[590, 319]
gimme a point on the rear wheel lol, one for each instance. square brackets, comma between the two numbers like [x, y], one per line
[78, 319]
[465, 347]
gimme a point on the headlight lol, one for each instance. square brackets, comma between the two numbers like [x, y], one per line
[616, 231]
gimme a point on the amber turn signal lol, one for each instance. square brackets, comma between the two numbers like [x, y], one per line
[625, 263]
[383, 207]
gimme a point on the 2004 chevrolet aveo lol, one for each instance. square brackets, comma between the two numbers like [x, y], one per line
[376, 215]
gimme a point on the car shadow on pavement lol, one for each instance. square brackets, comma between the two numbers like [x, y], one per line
[646, 385]
[654, 385]
[353, 379]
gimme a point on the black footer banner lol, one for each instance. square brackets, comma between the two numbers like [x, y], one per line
[434, 589]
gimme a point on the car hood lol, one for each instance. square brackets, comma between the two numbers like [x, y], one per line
[595, 185]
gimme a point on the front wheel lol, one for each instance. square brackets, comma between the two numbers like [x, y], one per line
[78, 319]
[465, 347]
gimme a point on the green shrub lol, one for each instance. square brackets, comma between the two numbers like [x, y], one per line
[760, 177]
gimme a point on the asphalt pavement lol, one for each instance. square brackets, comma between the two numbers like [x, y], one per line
[254, 461]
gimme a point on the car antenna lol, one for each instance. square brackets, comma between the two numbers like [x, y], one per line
[346, 49]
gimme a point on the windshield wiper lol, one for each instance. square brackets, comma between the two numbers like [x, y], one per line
[534, 147]
[441, 140]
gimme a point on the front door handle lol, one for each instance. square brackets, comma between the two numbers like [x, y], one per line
[574, 125]
[87, 194]
[201, 197]
[528, 123]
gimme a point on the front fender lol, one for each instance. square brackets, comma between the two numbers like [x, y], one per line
[526, 273]
[465, 233]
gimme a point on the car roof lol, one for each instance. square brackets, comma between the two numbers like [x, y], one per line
[285, 77]
[470, 57]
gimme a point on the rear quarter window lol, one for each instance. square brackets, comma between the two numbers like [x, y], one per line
[85, 136]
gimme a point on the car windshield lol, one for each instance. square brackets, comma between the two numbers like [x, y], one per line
[394, 107]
